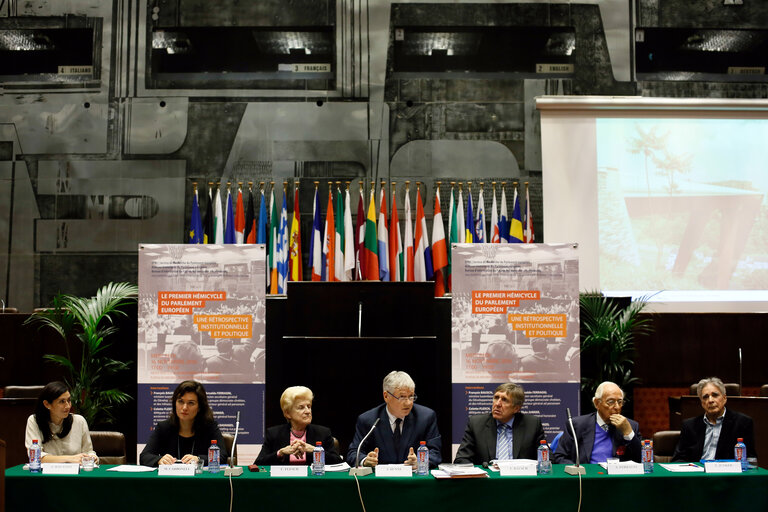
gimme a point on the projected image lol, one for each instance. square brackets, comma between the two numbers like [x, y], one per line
[682, 204]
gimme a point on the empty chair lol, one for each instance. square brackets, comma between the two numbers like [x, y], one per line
[731, 388]
[555, 442]
[22, 391]
[664, 443]
[109, 446]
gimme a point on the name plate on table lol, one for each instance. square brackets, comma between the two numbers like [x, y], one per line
[176, 470]
[60, 468]
[288, 470]
[624, 468]
[722, 467]
[393, 470]
[517, 468]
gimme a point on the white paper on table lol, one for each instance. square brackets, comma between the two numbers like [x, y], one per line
[341, 466]
[129, 468]
[459, 469]
[683, 468]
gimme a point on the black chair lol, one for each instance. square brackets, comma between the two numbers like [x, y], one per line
[664, 443]
[22, 391]
[731, 388]
[109, 446]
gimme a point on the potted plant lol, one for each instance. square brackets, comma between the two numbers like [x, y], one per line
[91, 321]
[608, 333]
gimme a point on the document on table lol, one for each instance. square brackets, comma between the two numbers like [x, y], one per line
[128, 468]
[341, 466]
[683, 468]
[458, 471]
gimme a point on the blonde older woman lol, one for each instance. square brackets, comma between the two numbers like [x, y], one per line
[292, 442]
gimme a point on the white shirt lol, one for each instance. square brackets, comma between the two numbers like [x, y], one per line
[77, 441]
[392, 419]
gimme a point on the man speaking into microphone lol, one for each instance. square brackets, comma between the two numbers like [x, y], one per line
[601, 434]
[402, 425]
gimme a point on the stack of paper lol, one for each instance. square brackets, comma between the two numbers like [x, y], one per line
[459, 471]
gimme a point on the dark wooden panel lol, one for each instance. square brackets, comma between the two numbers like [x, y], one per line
[686, 347]
[14, 413]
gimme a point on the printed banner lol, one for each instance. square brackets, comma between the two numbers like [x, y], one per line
[515, 316]
[202, 317]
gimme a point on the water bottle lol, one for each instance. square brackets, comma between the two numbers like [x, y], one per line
[647, 456]
[545, 462]
[422, 459]
[34, 457]
[214, 453]
[318, 460]
[739, 453]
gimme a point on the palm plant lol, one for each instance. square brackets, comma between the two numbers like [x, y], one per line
[91, 321]
[608, 340]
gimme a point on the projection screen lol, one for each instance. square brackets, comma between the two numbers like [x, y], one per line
[666, 197]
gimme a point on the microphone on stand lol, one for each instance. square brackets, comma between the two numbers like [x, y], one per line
[234, 469]
[574, 469]
[358, 470]
[741, 389]
[360, 319]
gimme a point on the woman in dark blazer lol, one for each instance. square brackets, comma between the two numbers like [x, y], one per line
[294, 441]
[187, 433]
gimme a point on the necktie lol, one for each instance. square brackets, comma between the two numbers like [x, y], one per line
[503, 443]
[605, 426]
[396, 434]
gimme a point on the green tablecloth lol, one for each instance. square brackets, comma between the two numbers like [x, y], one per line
[662, 490]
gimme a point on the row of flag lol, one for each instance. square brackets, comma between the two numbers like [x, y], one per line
[374, 249]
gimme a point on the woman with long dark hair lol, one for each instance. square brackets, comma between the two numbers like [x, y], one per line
[187, 433]
[63, 436]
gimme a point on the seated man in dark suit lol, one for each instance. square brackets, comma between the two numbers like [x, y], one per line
[504, 433]
[713, 435]
[601, 434]
[402, 425]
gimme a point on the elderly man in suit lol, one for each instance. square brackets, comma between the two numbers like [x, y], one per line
[602, 434]
[402, 424]
[713, 435]
[504, 433]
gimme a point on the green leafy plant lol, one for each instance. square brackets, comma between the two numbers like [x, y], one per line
[91, 321]
[608, 334]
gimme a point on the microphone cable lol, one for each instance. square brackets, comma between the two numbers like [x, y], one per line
[359, 493]
[231, 493]
[578, 509]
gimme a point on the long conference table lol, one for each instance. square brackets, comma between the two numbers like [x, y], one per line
[661, 490]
